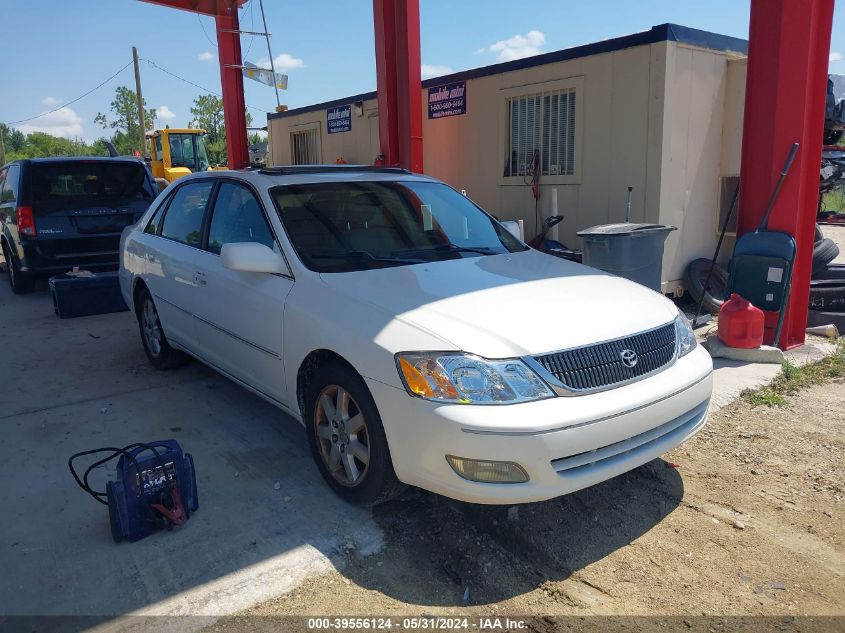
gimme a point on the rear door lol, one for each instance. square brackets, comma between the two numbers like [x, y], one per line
[170, 250]
[82, 206]
[239, 315]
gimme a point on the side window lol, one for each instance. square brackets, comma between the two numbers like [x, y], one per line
[10, 184]
[159, 151]
[155, 220]
[183, 220]
[237, 217]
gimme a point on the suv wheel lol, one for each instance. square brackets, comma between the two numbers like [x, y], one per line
[159, 351]
[347, 438]
[21, 282]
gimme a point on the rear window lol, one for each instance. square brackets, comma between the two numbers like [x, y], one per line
[90, 180]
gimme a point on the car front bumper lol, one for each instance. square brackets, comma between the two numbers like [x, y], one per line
[563, 443]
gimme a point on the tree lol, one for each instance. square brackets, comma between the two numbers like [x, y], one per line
[124, 109]
[40, 144]
[207, 113]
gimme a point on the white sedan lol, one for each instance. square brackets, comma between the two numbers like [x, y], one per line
[415, 338]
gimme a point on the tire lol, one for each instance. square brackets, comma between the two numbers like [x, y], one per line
[22, 283]
[827, 295]
[695, 277]
[831, 272]
[819, 236]
[159, 352]
[819, 317]
[824, 252]
[364, 474]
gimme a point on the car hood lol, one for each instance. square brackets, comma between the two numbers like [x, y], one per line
[508, 305]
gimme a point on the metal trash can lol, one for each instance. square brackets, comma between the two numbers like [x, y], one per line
[630, 250]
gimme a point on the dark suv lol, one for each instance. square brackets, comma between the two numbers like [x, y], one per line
[57, 213]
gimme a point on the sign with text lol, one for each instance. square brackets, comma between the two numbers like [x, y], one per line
[339, 119]
[447, 100]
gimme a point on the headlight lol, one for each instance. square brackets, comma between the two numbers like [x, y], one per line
[684, 336]
[465, 379]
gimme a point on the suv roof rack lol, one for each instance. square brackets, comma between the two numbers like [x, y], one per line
[285, 170]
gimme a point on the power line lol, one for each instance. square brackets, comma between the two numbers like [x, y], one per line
[71, 102]
[195, 85]
[202, 26]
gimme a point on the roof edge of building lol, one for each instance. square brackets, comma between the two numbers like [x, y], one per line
[661, 33]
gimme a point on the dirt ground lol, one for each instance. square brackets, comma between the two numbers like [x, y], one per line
[745, 519]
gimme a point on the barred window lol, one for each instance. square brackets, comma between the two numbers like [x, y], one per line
[304, 147]
[544, 122]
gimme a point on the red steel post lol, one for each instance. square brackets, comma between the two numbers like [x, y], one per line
[789, 45]
[232, 81]
[397, 40]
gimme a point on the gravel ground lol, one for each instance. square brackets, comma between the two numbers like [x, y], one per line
[745, 519]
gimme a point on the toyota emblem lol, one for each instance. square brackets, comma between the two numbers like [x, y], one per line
[629, 357]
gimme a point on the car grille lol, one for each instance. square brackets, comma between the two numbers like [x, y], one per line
[599, 366]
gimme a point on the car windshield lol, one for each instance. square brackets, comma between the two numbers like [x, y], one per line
[342, 227]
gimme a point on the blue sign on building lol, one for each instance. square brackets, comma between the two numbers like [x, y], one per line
[339, 119]
[447, 100]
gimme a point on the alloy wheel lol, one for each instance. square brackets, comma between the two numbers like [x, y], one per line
[342, 435]
[151, 327]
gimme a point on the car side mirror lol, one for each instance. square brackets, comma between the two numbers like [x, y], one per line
[251, 257]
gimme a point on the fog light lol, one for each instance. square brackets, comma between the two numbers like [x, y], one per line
[487, 471]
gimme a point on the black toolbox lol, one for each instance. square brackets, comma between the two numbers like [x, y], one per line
[76, 295]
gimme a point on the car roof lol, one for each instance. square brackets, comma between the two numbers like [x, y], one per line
[86, 159]
[267, 177]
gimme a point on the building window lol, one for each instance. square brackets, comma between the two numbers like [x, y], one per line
[545, 122]
[304, 147]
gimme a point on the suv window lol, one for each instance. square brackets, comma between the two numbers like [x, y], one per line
[10, 184]
[90, 180]
[237, 217]
[183, 219]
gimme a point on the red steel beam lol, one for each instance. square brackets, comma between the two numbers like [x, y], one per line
[397, 41]
[232, 81]
[225, 13]
[206, 7]
[789, 45]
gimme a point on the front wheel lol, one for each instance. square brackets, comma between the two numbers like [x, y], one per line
[159, 351]
[347, 438]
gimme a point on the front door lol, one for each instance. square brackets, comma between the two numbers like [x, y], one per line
[239, 315]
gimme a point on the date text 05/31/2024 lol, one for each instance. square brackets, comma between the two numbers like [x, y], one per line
[434, 623]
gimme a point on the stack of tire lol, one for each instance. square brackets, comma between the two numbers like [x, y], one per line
[827, 287]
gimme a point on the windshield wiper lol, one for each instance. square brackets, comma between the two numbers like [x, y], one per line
[369, 257]
[448, 248]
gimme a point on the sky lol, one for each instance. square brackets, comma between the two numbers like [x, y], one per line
[60, 49]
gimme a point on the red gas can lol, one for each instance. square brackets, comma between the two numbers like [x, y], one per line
[740, 323]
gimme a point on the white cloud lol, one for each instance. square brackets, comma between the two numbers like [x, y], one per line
[205, 56]
[49, 101]
[518, 46]
[164, 113]
[63, 122]
[283, 62]
[836, 57]
[433, 70]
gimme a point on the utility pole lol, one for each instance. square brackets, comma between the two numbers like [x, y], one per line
[2, 147]
[140, 101]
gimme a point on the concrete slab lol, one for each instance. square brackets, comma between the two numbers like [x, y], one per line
[245, 544]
